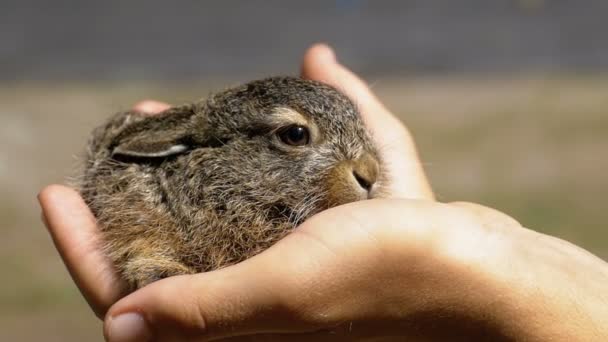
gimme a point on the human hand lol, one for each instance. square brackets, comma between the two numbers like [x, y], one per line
[368, 269]
[385, 270]
[389, 269]
[74, 231]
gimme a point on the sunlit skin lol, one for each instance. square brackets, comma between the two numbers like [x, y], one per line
[407, 266]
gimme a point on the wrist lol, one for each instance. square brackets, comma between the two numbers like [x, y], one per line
[550, 290]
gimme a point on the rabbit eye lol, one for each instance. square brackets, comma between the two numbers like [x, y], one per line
[294, 135]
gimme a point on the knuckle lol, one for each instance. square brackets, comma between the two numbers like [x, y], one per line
[189, 315]
[466, 238]
[489, 218]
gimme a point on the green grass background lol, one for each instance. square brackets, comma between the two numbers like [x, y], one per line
[535, 147]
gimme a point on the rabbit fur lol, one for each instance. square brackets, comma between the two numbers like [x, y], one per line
[206, 185]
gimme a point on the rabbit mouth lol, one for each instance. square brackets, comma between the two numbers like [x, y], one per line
[374, 192]
[353, 180]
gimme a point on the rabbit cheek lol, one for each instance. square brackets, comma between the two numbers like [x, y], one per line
[342, 186]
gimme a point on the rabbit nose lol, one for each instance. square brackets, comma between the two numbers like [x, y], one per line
[365, 171]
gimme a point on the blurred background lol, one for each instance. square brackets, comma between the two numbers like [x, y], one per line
[508, 101]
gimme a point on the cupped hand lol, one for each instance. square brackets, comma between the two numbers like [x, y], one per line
[74, 232]
[391, 269]
[394, 268]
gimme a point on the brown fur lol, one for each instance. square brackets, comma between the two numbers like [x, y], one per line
[206, 185]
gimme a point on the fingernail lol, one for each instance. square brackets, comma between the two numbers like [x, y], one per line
[127, 327]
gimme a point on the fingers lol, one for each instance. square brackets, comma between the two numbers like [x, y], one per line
[395, 143]
[74, 232]
[238, 300]
[327, 272]
[151, 107]
[262, 295]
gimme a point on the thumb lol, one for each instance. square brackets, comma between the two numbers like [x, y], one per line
[228, 302]
[252, 297]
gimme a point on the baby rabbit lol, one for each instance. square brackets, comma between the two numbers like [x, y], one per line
[209, 184]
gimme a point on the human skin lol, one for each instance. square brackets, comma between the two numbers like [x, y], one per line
[403, 267]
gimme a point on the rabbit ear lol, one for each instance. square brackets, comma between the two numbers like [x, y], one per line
[156, 137]
[148, 147]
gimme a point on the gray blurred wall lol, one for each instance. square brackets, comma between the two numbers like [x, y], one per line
[151, 40]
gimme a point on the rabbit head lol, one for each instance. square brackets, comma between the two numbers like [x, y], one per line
[294, 143]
